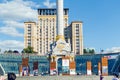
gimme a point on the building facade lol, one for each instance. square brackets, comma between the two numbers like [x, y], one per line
[75, 37]
[47, 28]
[30, 35]
[42, 34]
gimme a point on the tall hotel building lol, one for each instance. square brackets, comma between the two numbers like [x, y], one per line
[41, 35]
[45, 30]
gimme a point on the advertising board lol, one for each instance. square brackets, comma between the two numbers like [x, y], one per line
[104, 70]
[65, 66]
[25, 71]
[53, 70]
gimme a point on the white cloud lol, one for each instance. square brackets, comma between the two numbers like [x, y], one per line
[112, 50]
[10, 31]
[11, 44]
[18, 10]
[13, 13]
[49, 4]
[14, 24]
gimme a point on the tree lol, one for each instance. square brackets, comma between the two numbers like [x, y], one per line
[84, 50]
[28, 50]
[92, 51]
[15, 51]
[5, 51]
[89, 51]
[9, 51]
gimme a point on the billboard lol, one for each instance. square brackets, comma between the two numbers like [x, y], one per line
[72, 72]
[104, 66]
[35, 68]
[25, 61]
[65, 66]
[89, 69]
[65, 62]
[53, 70]
[72, 68]
[104, 70]
[25, 71]
[35, 65]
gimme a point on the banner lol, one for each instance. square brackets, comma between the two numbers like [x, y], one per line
[25, 71]
[89, 69]
[65, 66]
[104, 66]
[65, 62]
[25, 61]
[104, 70]
[53, 70]
[35, 68]
[35, 65]
[72, 72]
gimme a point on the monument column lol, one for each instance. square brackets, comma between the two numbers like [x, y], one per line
[60, 20]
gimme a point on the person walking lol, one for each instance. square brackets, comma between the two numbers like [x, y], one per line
[101, 77]
[115, 77]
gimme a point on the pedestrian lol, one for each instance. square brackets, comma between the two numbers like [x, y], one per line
[115, 77]
[101, 77]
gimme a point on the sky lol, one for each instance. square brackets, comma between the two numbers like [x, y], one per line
[101, 21]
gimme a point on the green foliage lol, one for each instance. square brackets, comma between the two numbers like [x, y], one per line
[10, 51]
[28, 50]
[5, 51]
[85, 51]
[15, 51]
[89, 51]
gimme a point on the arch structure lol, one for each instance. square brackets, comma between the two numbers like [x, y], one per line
[2, 71]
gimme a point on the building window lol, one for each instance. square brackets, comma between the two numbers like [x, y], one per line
[29, 44]
[77, 42]
[29, 34]
[47, 19]
[53, 19]
[77, 25]
[77, 45]
[29, 29]
[29, 37]
[77, 34]
[77, 39]
[40, 22]
[40, 31]
[29, 25]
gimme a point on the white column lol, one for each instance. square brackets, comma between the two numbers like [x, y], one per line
[60, 20]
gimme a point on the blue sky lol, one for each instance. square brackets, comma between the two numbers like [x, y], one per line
[101, 21]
